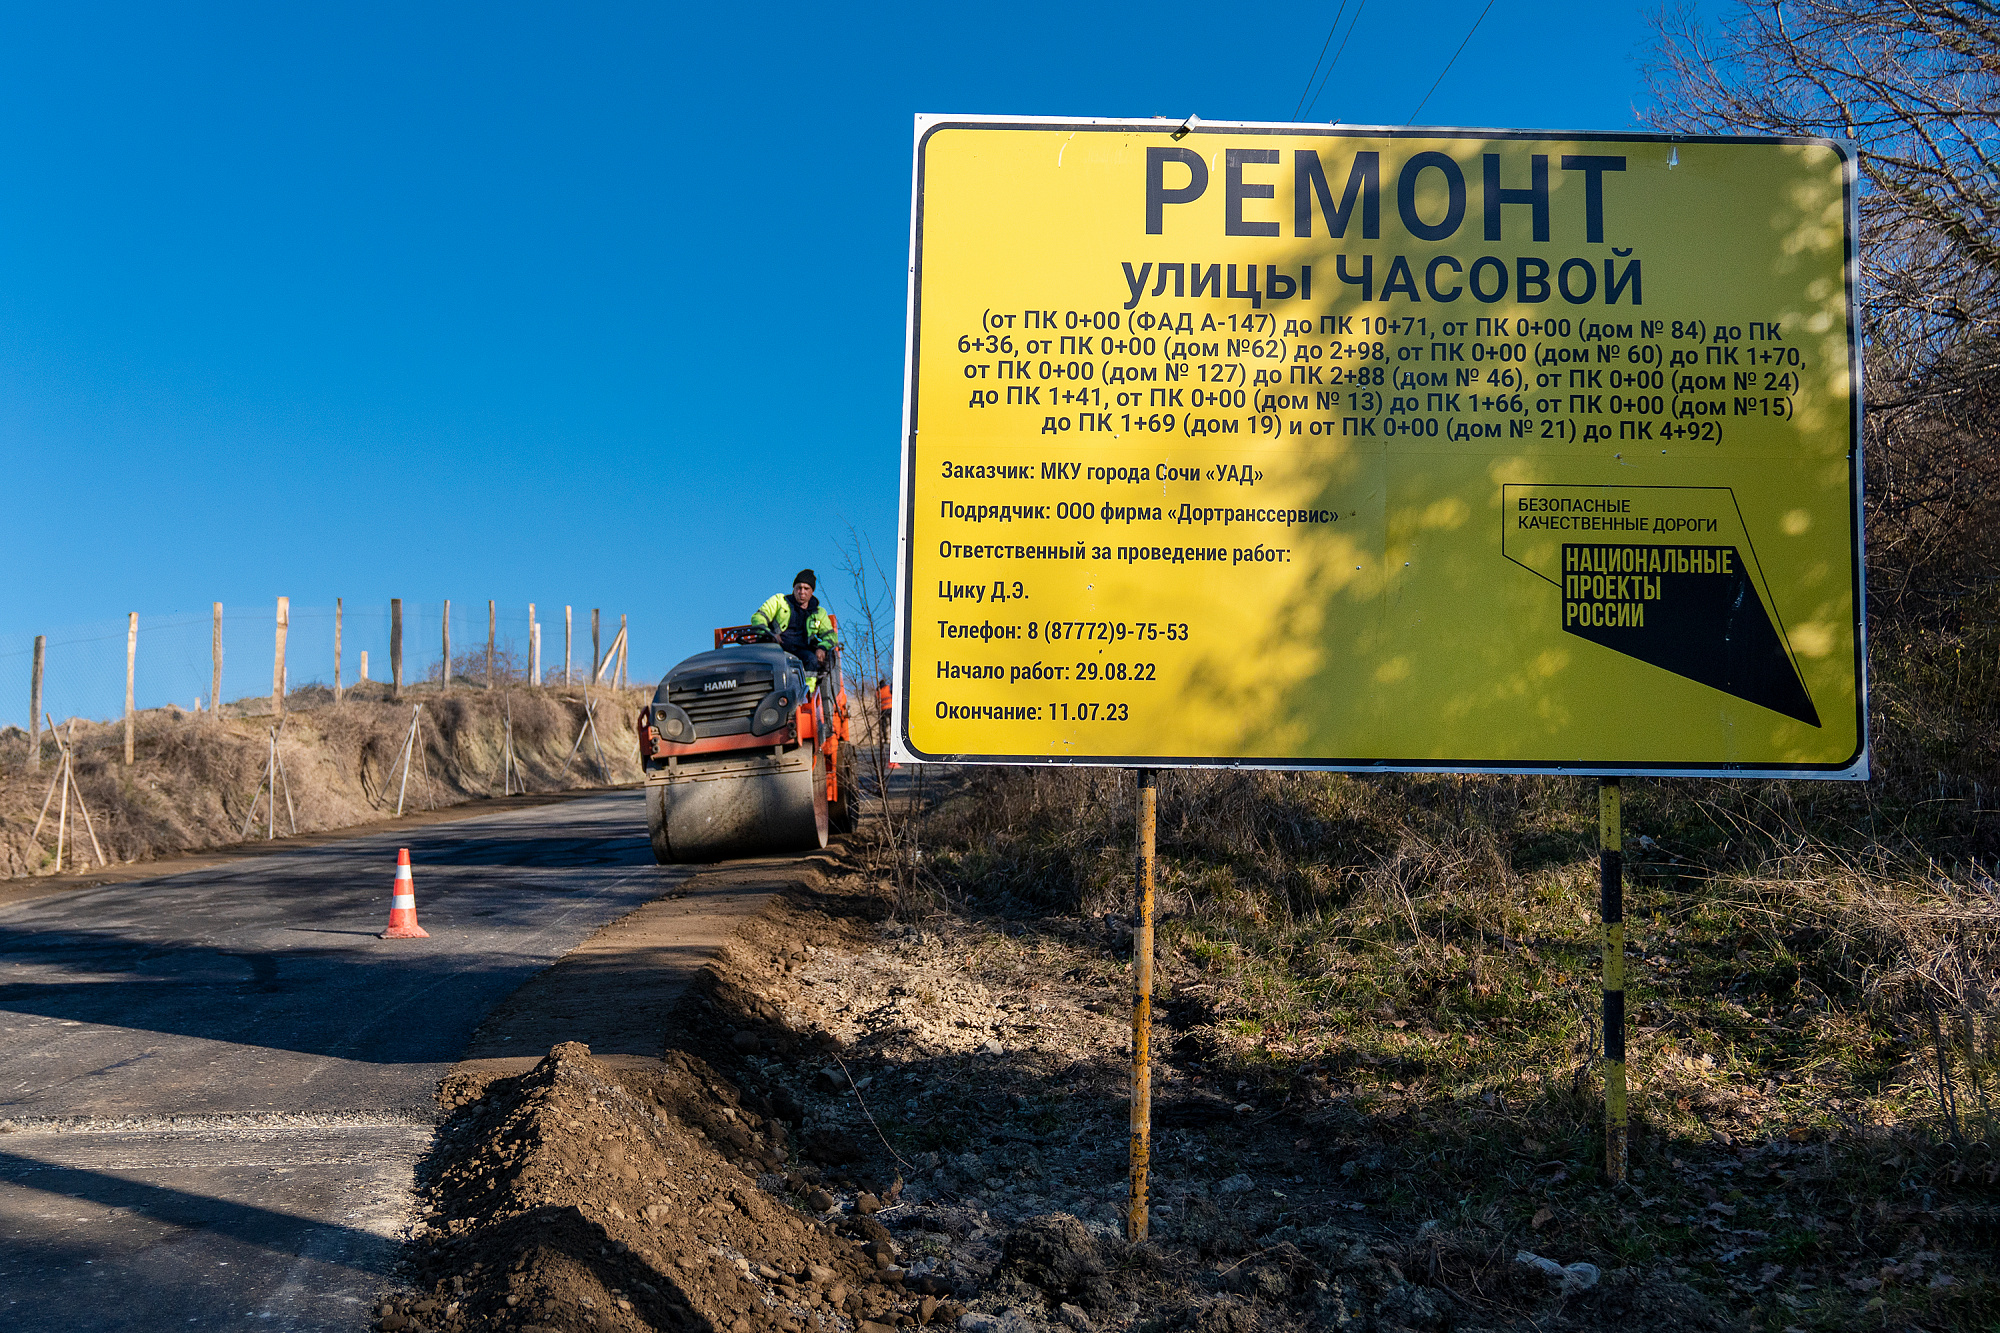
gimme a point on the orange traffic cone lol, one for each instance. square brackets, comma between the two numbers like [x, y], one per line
[403, 904]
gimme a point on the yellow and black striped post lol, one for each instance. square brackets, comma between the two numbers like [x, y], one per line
[1136, 1216]
[1611, 905]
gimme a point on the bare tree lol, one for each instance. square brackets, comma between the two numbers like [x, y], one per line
[1915, 85]
[871, 646]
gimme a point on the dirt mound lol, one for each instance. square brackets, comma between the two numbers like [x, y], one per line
[1056, 1255]
[583, 1196]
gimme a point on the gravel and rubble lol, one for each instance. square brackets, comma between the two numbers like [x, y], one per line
[864, 1123]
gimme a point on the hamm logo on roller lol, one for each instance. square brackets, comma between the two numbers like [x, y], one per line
[708, 685]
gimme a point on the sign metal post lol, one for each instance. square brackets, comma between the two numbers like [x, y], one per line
[1611, 908]
[1141, 1156]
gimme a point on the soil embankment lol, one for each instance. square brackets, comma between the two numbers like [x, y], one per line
[626, 1181]
[196, 777]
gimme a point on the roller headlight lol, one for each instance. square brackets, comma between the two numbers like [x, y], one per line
[773, 710]
[673, 724]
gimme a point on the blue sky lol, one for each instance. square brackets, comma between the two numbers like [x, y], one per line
[599, 305]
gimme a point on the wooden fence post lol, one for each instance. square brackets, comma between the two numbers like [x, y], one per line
[131, 664]
[534, 648]
[566, 634]
[363, 677]
[215, 664]
[492, 620]
[336, 649]
[278, 657]
[611, 660]
[447, 644]
[35, 704]
[624, 652]
[395, 647]
[596, 654]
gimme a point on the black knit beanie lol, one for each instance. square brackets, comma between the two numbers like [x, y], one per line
[805, 576]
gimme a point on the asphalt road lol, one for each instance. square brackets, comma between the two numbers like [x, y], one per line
[213, 1085]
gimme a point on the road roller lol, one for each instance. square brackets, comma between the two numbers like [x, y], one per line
[746, 753]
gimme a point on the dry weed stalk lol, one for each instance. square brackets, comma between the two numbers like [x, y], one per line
[1919, 947]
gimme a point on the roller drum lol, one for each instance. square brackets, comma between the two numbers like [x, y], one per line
[738, 807]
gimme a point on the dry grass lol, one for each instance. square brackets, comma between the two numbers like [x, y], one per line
[1411, 964]
[195, 776]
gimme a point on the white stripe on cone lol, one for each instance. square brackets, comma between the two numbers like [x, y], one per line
[403, 902]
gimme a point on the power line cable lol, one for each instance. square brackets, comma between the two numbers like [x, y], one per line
[1337, 54]
[1331, 28]
[1453, 61]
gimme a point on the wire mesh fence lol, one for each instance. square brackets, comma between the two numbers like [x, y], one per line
[174, 661]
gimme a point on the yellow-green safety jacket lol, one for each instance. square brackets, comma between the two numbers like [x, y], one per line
[775, 615]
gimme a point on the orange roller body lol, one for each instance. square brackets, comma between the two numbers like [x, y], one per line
[745, 752]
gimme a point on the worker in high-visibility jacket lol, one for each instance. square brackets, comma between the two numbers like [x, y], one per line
[798, 623]
[885, 704]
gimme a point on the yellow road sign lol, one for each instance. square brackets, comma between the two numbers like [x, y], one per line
[1362, 448]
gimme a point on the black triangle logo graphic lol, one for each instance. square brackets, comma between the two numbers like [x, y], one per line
[1691, 610]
